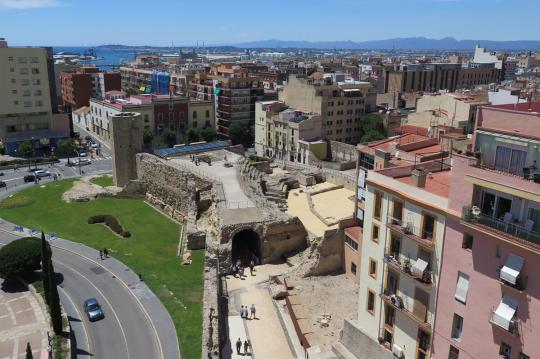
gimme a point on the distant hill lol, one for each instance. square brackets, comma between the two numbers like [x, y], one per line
[408, 43]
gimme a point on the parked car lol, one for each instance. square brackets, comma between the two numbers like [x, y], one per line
[94, 145]
[82, 152]
[87, 138]
[83, 162]
[29, 178]
[93, 310]
[42, 173]
[3, 184]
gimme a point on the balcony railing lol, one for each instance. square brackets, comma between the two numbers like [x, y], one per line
[397, 302]
[508, 230]
[404, 265]
[407, 229]
[512, 328]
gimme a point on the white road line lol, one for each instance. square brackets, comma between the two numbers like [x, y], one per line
[104, 297]
[88, 339]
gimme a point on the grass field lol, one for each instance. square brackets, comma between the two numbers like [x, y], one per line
[102, 181]
[151, 250]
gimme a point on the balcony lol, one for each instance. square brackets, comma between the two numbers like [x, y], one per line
[404, 265]
[408, 230]
[510, 327]
[419, 316]
[505, 230]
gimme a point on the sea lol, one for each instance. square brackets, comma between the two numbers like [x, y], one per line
[107, 58]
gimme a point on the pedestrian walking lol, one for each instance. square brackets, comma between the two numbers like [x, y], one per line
[106, 252]
[251, 266]
[101, 254]
[252, 311]
[246, 347]
[238, 346]
[241, 271]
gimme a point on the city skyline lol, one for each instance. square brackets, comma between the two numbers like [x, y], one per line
[138, 24]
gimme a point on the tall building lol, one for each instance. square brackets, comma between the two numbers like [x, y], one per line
[234, 92]
[498, 59]
[489, 298]
[79, 86]
[28, 101]
[340, 103]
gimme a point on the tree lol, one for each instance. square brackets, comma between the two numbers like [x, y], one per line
[169, 137]
[19, 257]
[45, 258]
[208, 134]
[372, 136]
[193, 135]
[54, 301]
[25, 149]
[29, 351]
[66, 147]
[372, 122]
[236, 133]
[148, 136]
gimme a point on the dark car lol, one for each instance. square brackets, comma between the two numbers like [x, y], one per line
[93, 310]
[3, 184]
[29, 178]
[87, 138]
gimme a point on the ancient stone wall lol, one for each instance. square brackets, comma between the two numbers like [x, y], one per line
[358, 344]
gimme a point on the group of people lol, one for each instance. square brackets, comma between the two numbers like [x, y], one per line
[237, 267]
[247, 346]
[103, 253]
[248, 314]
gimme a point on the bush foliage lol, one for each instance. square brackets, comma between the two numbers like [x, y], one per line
[111, 222]
[20, 257]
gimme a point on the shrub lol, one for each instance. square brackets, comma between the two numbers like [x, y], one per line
[20, 257]
[111, 222]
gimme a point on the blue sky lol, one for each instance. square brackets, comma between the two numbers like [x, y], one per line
[158, 22]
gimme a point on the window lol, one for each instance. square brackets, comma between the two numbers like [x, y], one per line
[27, 103]
[35, 71]
[372, 268]
[378, 205]
[498, 251]
[36, 82]
[523, 356]
[462, 287]
[505, 350]
[23, 71]
[207, 113]
[14, 92]
[194, 124]
[375, 233]
[423, 340]
[11, 69]
[389, 315]
[37, 93]
[397, 212]
[146, 118]
[194, 114]
[351, 242]
[457, 327]
[467, 241]
[353, 268]
[23, 60]
[34, 60]
[453, 353]
[39, 103]
[429, 226]
[26, 93]
[370, 302]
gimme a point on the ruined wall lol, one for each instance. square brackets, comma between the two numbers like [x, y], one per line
[355, 342]
[179, 194]
[326, 254]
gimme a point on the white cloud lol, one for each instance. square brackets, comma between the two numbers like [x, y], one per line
[27, 4]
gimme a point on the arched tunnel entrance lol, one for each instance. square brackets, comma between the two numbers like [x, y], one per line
[246, 245]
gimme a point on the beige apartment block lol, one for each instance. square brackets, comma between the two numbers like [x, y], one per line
[340, 102]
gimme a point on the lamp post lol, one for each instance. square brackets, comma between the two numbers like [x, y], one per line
[79, 159]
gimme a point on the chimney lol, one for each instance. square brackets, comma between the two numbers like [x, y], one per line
[419, 177]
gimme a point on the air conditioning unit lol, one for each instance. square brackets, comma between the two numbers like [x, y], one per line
[398, 351]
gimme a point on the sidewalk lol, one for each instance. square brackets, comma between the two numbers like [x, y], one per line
[268, 338]
[160, 318]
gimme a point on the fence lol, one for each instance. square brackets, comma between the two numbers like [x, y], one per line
[301, 337]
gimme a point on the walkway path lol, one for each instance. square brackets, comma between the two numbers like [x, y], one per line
[266, 333]
[23, 320]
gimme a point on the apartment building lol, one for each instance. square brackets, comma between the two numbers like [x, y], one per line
[79, 86]
[278, 131]
[135, 80]
[28, 101]
[341, 103]
[488, 296]
[234, 92]
[437, 76]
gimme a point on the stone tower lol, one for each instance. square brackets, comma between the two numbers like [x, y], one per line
[127, 140]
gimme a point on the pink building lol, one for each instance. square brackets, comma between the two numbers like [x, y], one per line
[488, 302]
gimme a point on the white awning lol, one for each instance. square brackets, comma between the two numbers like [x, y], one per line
[512, 268]
[505, 312]
[462, 287]
[419, 267]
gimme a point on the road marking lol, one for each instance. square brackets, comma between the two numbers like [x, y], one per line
[81, 318]
[104, 297]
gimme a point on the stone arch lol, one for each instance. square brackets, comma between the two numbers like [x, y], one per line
[245, 244]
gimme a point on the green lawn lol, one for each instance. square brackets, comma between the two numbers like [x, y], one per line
[151, 249]
[102, 181]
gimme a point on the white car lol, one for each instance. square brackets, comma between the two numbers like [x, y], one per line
[82, 154]
[94, 145]
[42, 173]
[83, 162]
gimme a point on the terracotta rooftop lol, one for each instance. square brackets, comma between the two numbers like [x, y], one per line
[437, 183]
[355, 232]
[523, 107]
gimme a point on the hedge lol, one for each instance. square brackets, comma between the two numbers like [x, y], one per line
[20, 257]
[30, 161]
[111, 222]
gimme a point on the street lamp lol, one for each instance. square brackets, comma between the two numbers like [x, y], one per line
[79, 157]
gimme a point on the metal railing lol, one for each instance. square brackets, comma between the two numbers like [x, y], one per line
[512, 327]
[507, 228]
[405, 264]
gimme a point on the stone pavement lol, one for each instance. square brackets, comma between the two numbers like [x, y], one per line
[268, 338]
[160, 318]
[23, 320]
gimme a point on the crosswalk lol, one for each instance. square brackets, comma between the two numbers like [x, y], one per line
[104, 158]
